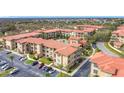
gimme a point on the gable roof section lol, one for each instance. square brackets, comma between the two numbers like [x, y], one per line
[114, 66]
[20, 36]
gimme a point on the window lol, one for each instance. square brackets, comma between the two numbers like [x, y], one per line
[58, 61]
[95, 65]
[95, 71]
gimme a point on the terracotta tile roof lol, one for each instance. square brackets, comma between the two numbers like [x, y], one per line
[114, 66]
[51, 30]
[90, 26]
[67, 30]
[75, 45]
[19, 36]
[66, 51]
[83, 42]
[61, 48]
[120, 27]
[48, 43]
[31, 40]
[53, 44]
[78, 31]
[74, 38]
[118, 32]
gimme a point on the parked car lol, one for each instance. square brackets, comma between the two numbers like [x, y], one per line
[49, 68]
[22, 58]
[4, 66]
[16, 70]
[44, 68]
[8, 52]
[51, 71]
[34, 63]
[7, 67]
[41, 65]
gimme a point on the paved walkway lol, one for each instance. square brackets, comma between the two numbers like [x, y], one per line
[14, 52]
[102, 47]
[30, 58]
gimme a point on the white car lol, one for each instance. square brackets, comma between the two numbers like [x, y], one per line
[7, 67]
[14, 71]
[4, 66]
[22, 58]
[51, 71]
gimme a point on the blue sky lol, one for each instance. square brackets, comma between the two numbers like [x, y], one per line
[61, 16]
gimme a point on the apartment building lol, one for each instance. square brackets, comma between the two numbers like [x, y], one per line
[52, 33]
[77, 40]
[61, 54]
[9, 41]
[117, 38]
[67, 56]
[103, 65]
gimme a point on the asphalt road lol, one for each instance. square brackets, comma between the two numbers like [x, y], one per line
[25, 70]
[101, 46]
[83, 71]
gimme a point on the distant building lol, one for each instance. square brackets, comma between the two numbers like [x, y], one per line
[117, 38]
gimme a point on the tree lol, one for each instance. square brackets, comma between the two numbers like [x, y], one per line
[103, 36]
[11, 57]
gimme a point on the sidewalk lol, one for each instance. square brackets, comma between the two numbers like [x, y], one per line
[14, 52]
[30, 58]
[115, 48]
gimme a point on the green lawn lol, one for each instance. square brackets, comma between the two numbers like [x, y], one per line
[1, 49]
[29, 61]
[112, 50]
[62, 75]
[32, 56]
[45, 60]
[97, 50]
[5, 73]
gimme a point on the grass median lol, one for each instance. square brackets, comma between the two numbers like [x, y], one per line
[29, 61]
[112, 50]
[62, 75]
[5, 73]
[45, 60]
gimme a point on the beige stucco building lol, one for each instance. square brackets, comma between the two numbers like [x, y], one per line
[61, 54]
[103, 65]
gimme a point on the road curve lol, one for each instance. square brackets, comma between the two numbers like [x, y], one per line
[102, 47]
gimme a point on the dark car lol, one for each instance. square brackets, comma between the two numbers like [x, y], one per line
[8, 52]
[8, 67]
[49, 68]
[35, 63]
[52, 71]
[44, 68]
[14, 71]
[41, 65]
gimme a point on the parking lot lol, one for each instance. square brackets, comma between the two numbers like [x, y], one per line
[24, 69]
